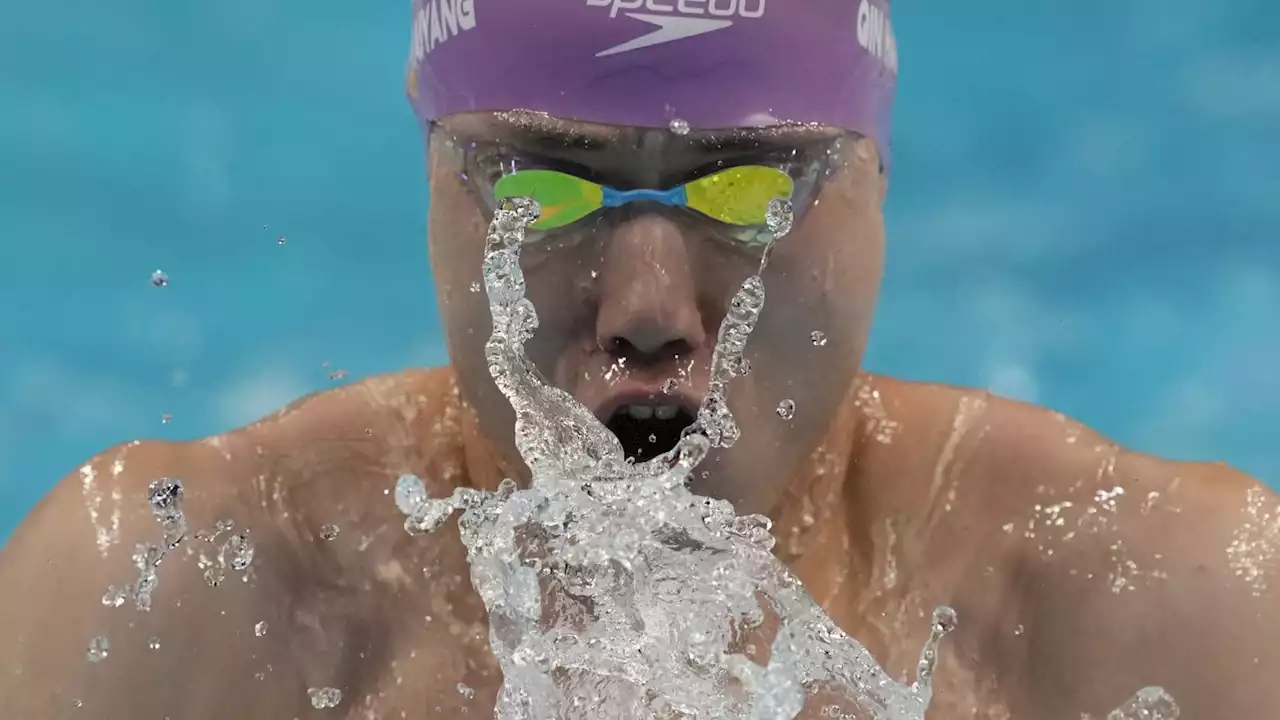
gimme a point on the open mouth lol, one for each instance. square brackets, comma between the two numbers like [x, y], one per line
[648, 429]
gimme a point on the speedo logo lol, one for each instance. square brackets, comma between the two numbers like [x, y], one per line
[436, 21]
[875, 35]
[677, 19]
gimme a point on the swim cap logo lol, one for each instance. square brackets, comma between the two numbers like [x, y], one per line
[436, 21]
[677, 19]
[875, 35]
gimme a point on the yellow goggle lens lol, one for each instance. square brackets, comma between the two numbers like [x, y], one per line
[739, 195]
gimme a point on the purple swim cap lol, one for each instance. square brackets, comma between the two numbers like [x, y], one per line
[713, 63]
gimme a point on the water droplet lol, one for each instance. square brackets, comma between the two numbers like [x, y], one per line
[944, 619]
[113, 597]
[818, 338]
[165, 419]
[99, 648]
[786, 409]
[260, 628]
[475, 286]
[679, 127]
[159, 279]
[410, 493]
[330, 532]
[280, 240]
[164, 494]
[1149, 703]
[465, 691]
[429, 515]
[213, 576]
[241, 551]
[324, 698]
[670, 385]
[779, 216]
[1019, 630]
[653, 438]
[77, 702]
[338, 374]
[154, 643]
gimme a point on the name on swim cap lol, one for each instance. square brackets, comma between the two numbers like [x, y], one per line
[712, 63]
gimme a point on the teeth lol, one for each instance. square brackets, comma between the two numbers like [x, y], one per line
[640, 412]
[665, 412]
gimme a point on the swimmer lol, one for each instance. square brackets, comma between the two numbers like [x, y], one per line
[649, 131]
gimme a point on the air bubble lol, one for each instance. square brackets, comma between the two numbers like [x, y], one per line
[154, 643]
[670, 386]
[465, 691]
[330, 532]
[260, 628]
[679, 127]
[159, 279]
[818, 338]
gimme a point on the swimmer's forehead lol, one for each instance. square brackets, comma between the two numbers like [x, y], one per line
[539, 131]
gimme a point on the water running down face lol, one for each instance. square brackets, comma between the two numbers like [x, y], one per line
[630, 297]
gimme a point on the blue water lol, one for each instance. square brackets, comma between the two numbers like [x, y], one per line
[1083, 213]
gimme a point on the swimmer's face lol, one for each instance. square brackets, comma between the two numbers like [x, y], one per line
[630, 297]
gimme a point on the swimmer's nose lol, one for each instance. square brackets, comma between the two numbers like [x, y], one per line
[647, 293]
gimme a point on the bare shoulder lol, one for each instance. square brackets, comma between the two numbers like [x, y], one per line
[76, 551]
[1012, 451]
[1125, 569]
[331, 450]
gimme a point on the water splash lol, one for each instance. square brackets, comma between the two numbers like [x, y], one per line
[613, 591]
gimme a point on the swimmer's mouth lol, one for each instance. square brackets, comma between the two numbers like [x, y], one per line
[648, 427]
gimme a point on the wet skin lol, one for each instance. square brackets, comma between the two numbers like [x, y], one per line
[889, 498]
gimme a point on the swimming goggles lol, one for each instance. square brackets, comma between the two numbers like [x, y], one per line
[735, 196]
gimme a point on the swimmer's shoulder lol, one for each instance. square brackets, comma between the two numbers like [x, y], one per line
[1096, 537]
[328, 458]
[407, 421]
[1005, 447]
